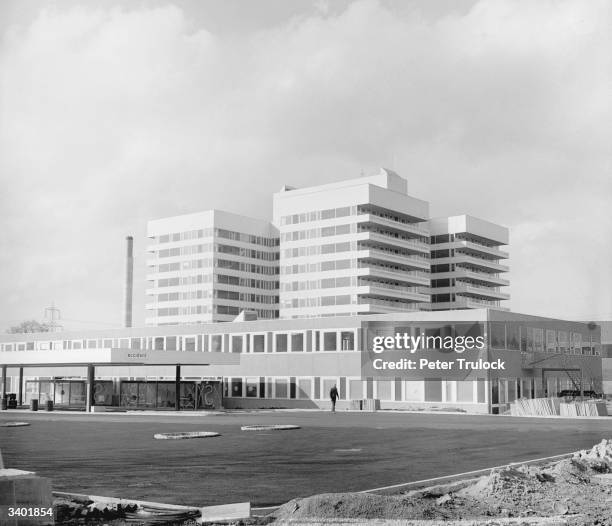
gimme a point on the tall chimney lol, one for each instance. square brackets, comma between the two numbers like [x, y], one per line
[129, 281]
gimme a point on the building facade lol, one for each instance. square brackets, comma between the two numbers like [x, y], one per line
[466, 263]
[294, 363]
[361, 246]
[210, 266]
[355, 247]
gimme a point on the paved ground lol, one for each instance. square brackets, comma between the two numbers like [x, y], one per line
[116, 455]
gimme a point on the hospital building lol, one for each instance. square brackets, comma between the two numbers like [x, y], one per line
[241, 312]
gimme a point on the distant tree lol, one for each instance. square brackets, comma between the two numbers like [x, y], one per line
[29, 326]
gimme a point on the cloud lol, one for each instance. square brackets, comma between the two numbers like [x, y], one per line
[112, 116]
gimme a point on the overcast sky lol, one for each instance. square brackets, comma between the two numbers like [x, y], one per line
[112, 113]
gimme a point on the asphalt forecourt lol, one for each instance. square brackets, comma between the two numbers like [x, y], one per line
[116, 455]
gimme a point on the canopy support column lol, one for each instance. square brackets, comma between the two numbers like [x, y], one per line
[91, 372]
[177, 389]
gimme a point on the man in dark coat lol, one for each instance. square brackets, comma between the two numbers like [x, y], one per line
[333, 394]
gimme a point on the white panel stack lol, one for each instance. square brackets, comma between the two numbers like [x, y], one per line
[535, 407]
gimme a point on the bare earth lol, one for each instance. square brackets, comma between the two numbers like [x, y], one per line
[576, 491]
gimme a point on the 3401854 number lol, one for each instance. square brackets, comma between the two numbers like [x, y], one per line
[30, 512]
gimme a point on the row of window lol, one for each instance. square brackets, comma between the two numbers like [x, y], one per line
[300, 341]
[243, 296]
[248, 282]
[223, 249]
[221, 263]
[185, 251]
[395, 217]
[247, 238]
[313, 233]
[332, 213]
[393, 390]
[337, 230]
[333, 248]
[229, 310]
[247, 267]
[183, 265]
[185, 280]
[323, 266]
[247, 252]
[320, 301]
[513, 336]
[218, 232]
[327, 283]
[219, 278]
[318, 215]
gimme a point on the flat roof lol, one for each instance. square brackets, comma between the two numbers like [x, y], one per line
[289, 325]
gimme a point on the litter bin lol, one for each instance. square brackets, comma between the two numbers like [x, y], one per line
[49, 405]
[4, 403]
[34, 404]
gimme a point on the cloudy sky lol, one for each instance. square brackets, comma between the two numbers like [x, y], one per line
[112, 113]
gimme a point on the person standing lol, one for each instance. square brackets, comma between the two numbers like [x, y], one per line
[333, 394]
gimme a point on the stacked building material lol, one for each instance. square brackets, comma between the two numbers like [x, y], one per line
[584, 408]
[535, 407]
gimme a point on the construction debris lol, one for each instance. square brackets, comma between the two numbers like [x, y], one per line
[556, 406]
[586, 408]
[572, 491]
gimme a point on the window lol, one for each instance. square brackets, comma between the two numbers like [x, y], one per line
[237, 344]
[259, 343]
[356, 389]
[465, 391]
[236, 387]
[551, 341]
[170, 343]
[280, 388]
[329, 341]
[304, 388]
[159, 344]
[251, 387]
[216, 343]
[281, 343]
[498, 335]
[328, 383]
[385, 390]
[135, 343]
[348, 340]
[190, 343]
[297, 342]
[433, 390]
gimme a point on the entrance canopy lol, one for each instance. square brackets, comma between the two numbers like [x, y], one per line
[85, 357]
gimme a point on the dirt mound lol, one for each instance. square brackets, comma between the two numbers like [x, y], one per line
[346, 505]
[567, 488]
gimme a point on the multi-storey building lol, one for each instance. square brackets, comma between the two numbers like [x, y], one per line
[466, 271]
[211, 266]
[360, 246]
[354, 247]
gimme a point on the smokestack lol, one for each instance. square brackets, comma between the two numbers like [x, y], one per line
[129, 281]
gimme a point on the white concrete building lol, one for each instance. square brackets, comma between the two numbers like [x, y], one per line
[466, 271]
[360, 246]
[210, 266]
[354, 247]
